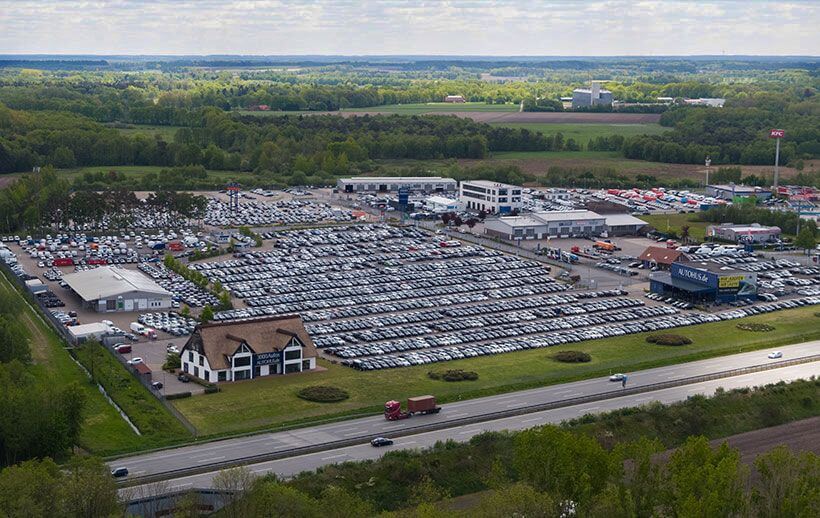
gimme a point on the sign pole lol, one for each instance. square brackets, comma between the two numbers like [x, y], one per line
[776, 134]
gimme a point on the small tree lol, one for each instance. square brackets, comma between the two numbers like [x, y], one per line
[207, 314]
[805, 239]
[684, 233]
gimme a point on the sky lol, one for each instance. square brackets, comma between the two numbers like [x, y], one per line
[383, 27]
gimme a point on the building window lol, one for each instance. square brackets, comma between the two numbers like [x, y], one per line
[293, 355]
[221, 376]
[201, 361]
[305, 365]
[241, 361]
[206, 375]
[196, 371]
[242, 375]
[190, 356]
[293, 367]
[185, 367]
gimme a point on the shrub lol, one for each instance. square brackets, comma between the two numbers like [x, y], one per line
[181, 395]
[668, 339]
[453, 375]
[323, 394]
[211, 389]
[752, 326]
[571, 357]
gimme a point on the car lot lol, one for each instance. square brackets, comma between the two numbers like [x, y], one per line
[255, 213]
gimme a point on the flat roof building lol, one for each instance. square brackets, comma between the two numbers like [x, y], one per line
[490, 197]
[541, 225]
[247, 349]
[442, 204]
[624, 225]
[731, 191]
[394, 183]
[107, 289]
[704, 282]
[754, 233]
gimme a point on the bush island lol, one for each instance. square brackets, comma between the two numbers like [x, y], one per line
[323, 394]
[453, 375]
[571, 357]
[668, 339]
[752, 326]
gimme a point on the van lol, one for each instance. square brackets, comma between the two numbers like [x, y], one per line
[137, 328]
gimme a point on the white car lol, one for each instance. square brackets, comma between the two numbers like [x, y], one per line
[135, 360]
[172, 349]
[775, 355]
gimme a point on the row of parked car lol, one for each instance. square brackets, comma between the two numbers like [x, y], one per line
[406, 359]
[182, 290]
[283, 212]
[168, 321]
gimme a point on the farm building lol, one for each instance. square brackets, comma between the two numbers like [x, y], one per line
[593, 96]
[240, 350]
[107, 289]
[393, 184]
[455, 99]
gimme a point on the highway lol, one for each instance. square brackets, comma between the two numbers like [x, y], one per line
[292, 465]
[220, 452]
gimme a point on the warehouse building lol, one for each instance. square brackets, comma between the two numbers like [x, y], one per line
[754, 233]
[441, 204]
[107, 289]
[624, 225]
[248, 349]
[732, 191]
[704, 283]
[491, 197]
[541, 225]
[593, 96]
[393, 184]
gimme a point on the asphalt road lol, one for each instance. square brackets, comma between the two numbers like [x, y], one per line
[292, 465]
[223, 451]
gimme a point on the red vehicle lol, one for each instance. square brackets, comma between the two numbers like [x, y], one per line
[96, 261]
[63, 261]
[415, 405]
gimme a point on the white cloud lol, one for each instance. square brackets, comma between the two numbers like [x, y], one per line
[495, 27]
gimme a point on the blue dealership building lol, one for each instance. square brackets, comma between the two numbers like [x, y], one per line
[704, 282]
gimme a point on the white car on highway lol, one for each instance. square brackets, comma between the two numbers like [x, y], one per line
[775, 355]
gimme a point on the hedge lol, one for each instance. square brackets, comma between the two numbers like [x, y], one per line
[668, 339]
[752, 326]
[453, 375]
[323, 394]
[572, 357]
[181, 395]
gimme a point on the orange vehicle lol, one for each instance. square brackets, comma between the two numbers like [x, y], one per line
[605, 245]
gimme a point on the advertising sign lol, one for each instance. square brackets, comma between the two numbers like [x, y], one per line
[270, 358]
[693, 275]
[777, 133]
[730, 282]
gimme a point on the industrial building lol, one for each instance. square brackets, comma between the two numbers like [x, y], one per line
[593, 96]
[661, 258]
[704, 282]
[455, 99]
[754, 233]
[624, 225]
[442, 204]
[732, 191]
[241, 350]
[541, 225]
[107, 289]
[393, 184]
[491, 197]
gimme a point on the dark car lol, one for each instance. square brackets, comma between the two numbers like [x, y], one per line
[381, 441]
[183, 378]
[119, 472]
[157, 385]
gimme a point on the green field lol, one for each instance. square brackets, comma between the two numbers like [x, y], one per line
[103, 432]
[674, 222]
[271, 402]
[140, 170]
[415, 109]
[583, 133]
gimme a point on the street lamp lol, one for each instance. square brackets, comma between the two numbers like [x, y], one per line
[708, 163]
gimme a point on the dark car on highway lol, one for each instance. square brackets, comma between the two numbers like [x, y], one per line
[381, 441]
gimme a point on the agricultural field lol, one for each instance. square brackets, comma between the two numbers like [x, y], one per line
[420, 108]
[674, 222]
[270, 403]
[584, 132]
[103, 431]
[138, 171]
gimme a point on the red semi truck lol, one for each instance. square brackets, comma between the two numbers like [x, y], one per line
[415, 405]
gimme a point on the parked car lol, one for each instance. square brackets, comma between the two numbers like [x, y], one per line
[122, 348]
[135, 360]
[381, 441]
[183, 378]
[157, 385]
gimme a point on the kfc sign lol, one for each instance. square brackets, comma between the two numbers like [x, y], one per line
[777, 133]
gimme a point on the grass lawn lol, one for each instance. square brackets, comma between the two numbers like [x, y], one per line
[141, 170]
[674, 222]
[583, 133]
[268, 403]
[103, 432]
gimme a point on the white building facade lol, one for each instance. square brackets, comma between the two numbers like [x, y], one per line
[490, 197]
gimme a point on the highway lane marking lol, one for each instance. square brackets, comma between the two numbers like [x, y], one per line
[589, 409]
[182, 485]
[406, 443]
[514, 405]
[532, 420]
[460, 414]
[334, 456]
[470, 431]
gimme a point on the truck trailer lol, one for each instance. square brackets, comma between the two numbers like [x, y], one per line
[415, 405]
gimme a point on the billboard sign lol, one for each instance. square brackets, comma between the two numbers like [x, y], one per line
[777, 133]
[404, 196]
[270, 358]
[732, 281]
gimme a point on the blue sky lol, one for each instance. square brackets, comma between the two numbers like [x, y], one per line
[468, 27]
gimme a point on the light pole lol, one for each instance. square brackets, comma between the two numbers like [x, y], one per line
[708, 163]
